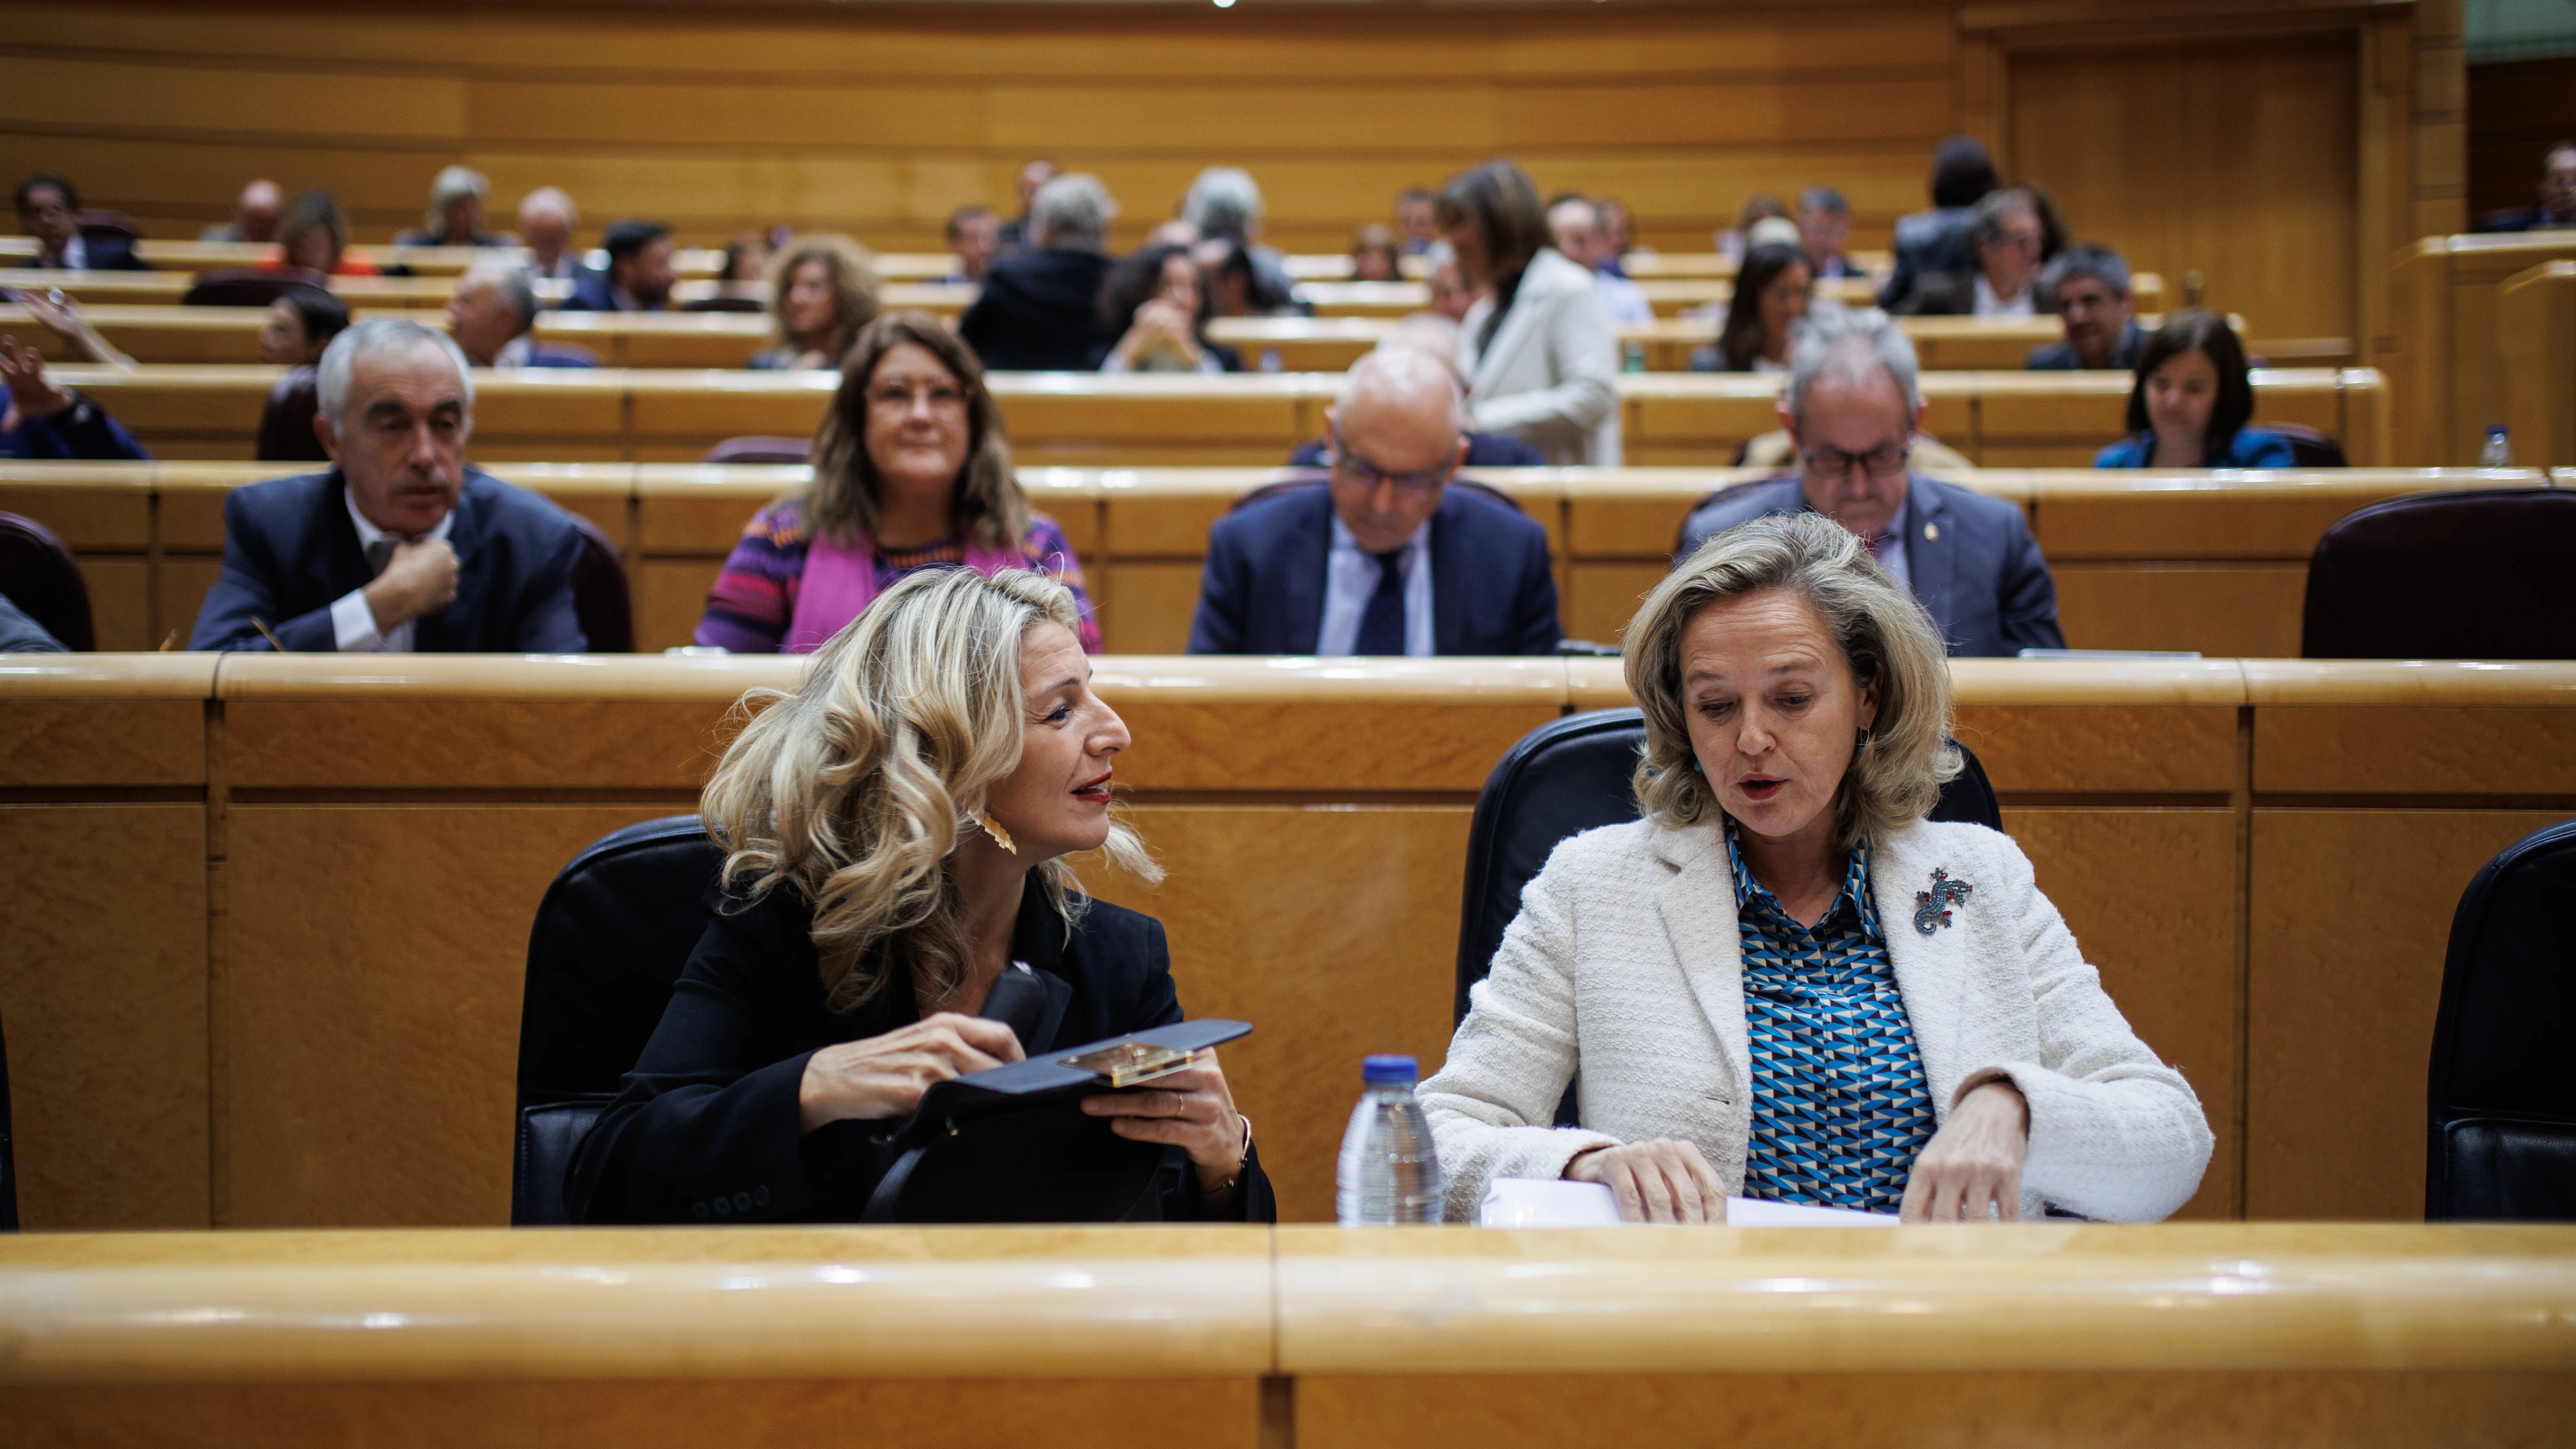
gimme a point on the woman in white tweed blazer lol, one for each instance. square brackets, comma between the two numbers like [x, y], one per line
[1784, 982]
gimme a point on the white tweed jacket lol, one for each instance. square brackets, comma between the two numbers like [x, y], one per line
[1625, 962]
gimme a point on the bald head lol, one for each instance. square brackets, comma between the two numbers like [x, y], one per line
[546, 220]
[1396, 442]
[1577, 228]
[255, 211]
[1428, 333]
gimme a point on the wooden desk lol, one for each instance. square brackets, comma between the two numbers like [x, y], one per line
[203, 883]
[2444, 362]
[164, 289]
[1671, 294]
[2226, 1335]
[2536, 341]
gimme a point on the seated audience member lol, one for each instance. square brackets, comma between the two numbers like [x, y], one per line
[974, 237]
[1541, 358]
[22, 635]
[2191, 403]
[1156, 303]
[1618, 235]
[298, 329]
[1937, 240]
[1967, 1069]
[1576, 228]
[1824, 229]
[1772, 291]
[1437, 337]
[1417, 216]
[1374, 255]
[747, 258]
[1738, 239]
[313, 236]
[639, 275]
[1015, 233]
[911, 471]
[546, 221]
[493, 317]
[823, 291]
[2557, 196]
[1451, 297]
[2005, 241]
[49, 210]
[1385, 557]
[61, 315]
[455, 212]
[47, 422]
[299, 324]
[1040, 307]
[1236, 287]
[896, 833]
[1224, 204]
[401, 547]
[254, 216]
[2090, 286]
[1852, 404]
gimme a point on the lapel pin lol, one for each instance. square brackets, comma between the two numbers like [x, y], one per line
[1931, 908]
[1931, 532]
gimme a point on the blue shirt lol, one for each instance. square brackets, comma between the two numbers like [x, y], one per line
[1840, 1105]
[2250, 448]
[1350, 577]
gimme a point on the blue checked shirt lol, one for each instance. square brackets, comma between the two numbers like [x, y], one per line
[1840, 1105]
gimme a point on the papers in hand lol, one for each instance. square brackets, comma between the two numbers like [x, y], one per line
[1529, 1202]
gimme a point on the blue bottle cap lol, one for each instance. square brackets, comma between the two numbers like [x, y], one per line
[1374, 1070]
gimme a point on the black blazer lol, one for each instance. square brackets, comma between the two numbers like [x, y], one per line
[1262, 590]
[1972, 560]
[1038, 312]
[105, 252]
[290, 552]
[710, 1112]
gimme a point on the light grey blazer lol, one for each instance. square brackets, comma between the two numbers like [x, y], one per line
[1626, 961]
[1551, 375]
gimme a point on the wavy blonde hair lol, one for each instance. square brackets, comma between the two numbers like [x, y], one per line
[854, 790]
[1891, 644]
[853, 276]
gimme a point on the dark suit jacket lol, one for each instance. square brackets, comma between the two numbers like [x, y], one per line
[1928, 241]
[2060, 356]
[1973, 562]
[106, 252]
[710, 1110]
[82, 431]
[1262, 591]
[560, 354]
[1484, 450]
[2529, 219]
[1038, 312]
[1954, 294]
[594, 292]
[290, 552]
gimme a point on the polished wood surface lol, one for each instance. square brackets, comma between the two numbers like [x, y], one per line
[2444, 355]
[2199, 823]
[2536, 340]
[2215, 563]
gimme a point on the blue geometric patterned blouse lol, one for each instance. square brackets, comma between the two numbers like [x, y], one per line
[1840, 1105]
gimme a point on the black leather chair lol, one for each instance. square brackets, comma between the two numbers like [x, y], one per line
[247, 287]
[286, 420]
[1568, 776]
[2308, 447]
[40, 576]
[2479, 574]
[760, 450]
[2502, 1143]
[601, 599]
[610, 938]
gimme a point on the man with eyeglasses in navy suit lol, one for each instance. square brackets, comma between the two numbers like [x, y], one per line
[1389, 555]
[1852, 405]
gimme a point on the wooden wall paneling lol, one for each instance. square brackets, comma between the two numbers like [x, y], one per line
[2441, 106]
[2225, 611]
[2536, 341]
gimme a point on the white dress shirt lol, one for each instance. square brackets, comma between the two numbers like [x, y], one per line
[1350, 577]
[2019, 304]
[515, 352]
[353, 624]
[75, 257]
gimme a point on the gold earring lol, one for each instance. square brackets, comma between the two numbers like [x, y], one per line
[992, 828]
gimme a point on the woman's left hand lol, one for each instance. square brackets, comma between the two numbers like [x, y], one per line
[1972, 1167]
[1190, 1109]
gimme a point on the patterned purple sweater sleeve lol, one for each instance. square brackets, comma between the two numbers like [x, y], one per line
[755, 596]
[1049, 553]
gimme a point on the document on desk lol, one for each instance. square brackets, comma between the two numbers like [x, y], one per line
[1530, 1202]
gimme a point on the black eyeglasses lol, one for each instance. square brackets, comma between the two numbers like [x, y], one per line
[1368, 475]
[1884, 462]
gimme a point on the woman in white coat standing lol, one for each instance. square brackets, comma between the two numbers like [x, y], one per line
[1783, 982]
[1541, 358]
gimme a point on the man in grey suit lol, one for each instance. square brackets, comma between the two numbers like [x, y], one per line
[1852, 406]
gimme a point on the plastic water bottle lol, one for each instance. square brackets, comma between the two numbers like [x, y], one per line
[2499, 449]
[1389, 1173]
[1633, 356]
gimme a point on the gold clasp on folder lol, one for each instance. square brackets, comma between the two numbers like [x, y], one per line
[1129, 1062]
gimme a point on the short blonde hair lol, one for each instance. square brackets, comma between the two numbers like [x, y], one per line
[852, 273]
[1886, 637]
[854, 790]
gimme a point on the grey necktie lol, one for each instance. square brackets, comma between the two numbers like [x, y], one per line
[379, 554]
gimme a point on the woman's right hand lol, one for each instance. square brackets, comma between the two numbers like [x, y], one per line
[884, 1076]
[1663, 1181]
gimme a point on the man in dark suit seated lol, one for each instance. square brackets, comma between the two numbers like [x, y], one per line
[1937, 240]
[2005, 239]
[400, 547]
[2557, 196]
[2090, 285]
[1852, 405]
[493, 317]
[639, 276]
[47, 422]
[1039, 310]
[1384, 558]
[49, 211]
